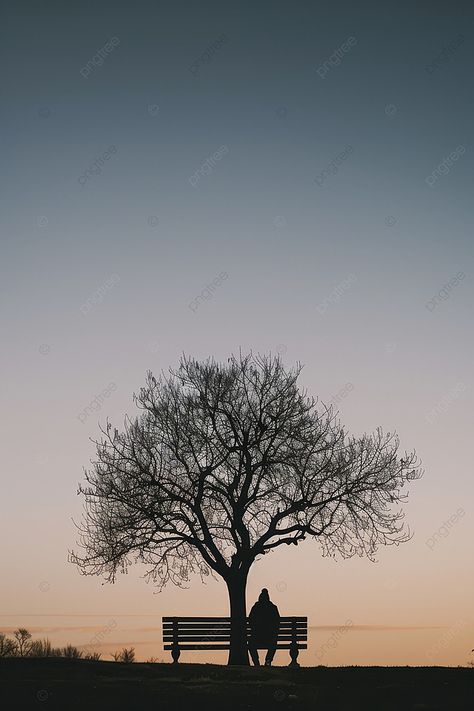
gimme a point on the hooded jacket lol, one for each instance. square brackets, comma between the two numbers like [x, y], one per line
[264, 620]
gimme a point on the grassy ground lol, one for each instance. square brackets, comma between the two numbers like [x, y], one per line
[53, 684]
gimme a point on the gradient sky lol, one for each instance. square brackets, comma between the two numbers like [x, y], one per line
[99, 271]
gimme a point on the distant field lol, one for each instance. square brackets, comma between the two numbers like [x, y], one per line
[65, 684]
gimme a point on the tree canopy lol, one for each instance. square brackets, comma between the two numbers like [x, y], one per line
[226, 462]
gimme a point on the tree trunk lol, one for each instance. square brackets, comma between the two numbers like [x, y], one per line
[238, 653]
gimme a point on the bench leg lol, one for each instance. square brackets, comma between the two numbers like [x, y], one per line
[294, 652]
[176, 653]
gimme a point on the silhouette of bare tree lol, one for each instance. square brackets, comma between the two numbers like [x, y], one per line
[225, 463]
[22, 641]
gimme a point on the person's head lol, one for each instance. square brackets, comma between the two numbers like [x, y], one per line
[264, 596]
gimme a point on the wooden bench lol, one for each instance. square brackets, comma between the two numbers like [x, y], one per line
[186, 633]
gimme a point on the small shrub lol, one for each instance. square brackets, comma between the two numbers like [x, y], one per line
[127, 656]
[92, 656]
[71, 652]
[41, 648]
[7, 646]
[22, 641]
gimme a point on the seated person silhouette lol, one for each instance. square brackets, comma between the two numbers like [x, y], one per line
[264, 622]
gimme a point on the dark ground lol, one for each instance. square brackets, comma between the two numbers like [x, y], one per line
[62, 684]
